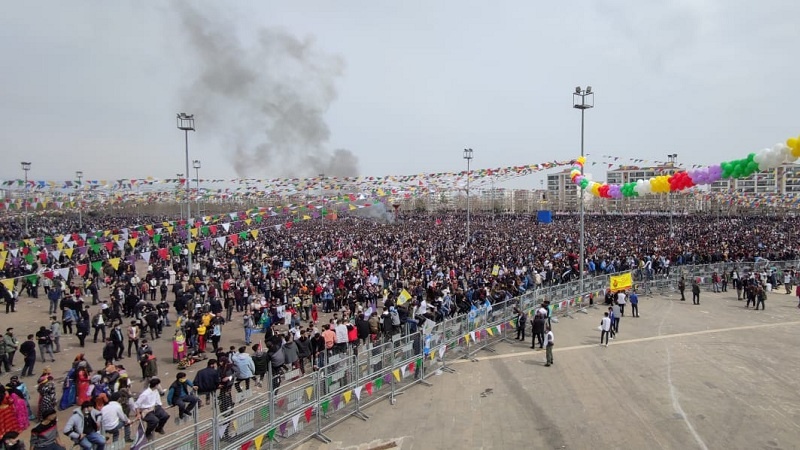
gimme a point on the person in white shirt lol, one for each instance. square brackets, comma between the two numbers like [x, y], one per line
[341, 337]
[114, 419]
[149, 409]
[549, 342]
[621, 302]
[605, 328]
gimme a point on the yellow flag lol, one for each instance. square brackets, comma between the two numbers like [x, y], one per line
[106, 233]
[351, 207]
[59, 238]
[248, 221]
[191, 246]
[68, 252]
[489, 330]
[254, 233]
[396, 373]
[3, 254]
[169, 230]
[466, 337]
[621, 282]
[193, 231]
[115, 237]
[258, 441]
[309, 392]
[9, 284]
[132, 241]
[348, 395]
[114, 263]
[60, 246]
[403, 297]
[2, 263]
[306, 217]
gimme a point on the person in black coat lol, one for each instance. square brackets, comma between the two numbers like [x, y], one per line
[362, 326]
[109, 352]
[82, 330]
[207, 380]
[537, 328]
[521, 322]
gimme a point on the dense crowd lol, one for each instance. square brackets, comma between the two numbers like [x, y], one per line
[374, 278]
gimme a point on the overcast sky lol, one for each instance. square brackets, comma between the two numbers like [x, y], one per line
[401, 87]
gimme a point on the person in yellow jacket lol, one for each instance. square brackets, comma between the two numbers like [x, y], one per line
[201, 337]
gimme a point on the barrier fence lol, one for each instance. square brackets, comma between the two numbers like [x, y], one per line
[355, 377]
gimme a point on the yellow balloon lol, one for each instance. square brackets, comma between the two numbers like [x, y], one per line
[596, 189]
[792, 143]
[796, 152]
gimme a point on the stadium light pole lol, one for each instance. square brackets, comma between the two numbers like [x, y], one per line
[196, 166]
[26, 166]
[186, 124]
[582, 99]
[672, 159]
[79, 176]
[468, 156]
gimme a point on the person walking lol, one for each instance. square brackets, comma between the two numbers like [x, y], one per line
[11, 344]
[549, 343]
[615, 317]
[45, 341]
[247, 322]
[134, 332]
[634, 301]
[605, 328]
[682, 288]
[28, 350]
[537, 330]
[761, 297]
[55, 333]
[621, 301]
[695, 292]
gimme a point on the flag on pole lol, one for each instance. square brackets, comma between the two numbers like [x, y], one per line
[140, 441]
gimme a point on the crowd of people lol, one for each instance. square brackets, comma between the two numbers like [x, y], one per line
[280, 280]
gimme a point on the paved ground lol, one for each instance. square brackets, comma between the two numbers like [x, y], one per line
[679, 377]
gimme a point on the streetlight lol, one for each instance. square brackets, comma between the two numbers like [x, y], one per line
[186, 124]
[79, 176]
[26, 166]
[196, 166]
[468, 156]
[672, 159]
[582, 99]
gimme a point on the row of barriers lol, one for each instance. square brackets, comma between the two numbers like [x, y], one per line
[305, 406]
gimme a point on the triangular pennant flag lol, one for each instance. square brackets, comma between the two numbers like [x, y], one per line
[56, 254]
[347, 396]
[132, 242]
[378, 383]
[8, 283]
[221, 241]
[325, 405]
[64, 272]
[234, 238]
[271, 434]
[97, 266]
[193, 232]
[114, 263]
[68, 252]
[191, 246]
[258, 441]
[226, 227]
[403, 370]
[309, 392]
[368, 388]
[396, 374]
[309, 412]
[246, 445]
[82, 269]
[121, 245]
[358, 392]
[295, 421]
[146, 257]
[254, 233]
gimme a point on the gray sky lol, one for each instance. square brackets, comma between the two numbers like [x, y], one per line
[404, 86]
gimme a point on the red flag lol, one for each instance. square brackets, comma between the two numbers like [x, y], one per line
[82, 269]
[234, 238]
[109, 246]
[309, 412]
[163, 253]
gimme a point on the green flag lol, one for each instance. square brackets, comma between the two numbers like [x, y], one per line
[97, 265]
[156, 238]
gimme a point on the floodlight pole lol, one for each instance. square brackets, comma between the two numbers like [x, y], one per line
[579, 98]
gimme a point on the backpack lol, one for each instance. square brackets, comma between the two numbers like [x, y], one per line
[395, 318]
